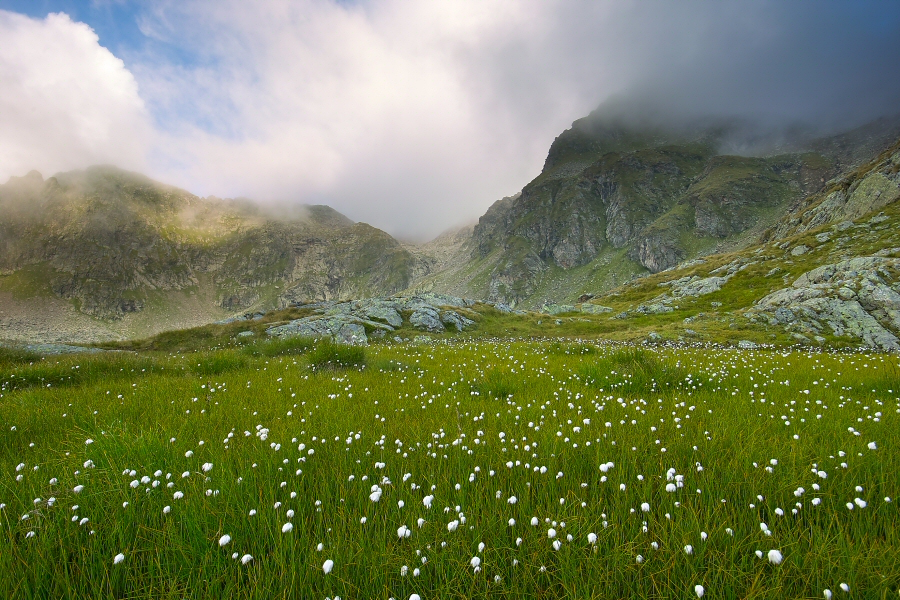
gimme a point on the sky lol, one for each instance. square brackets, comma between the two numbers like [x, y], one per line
[411, 116]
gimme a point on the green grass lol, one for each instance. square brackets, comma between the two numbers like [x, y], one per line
[327, 355]
[471, 423]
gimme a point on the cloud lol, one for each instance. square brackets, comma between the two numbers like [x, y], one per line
[415, 116]
[65, 101]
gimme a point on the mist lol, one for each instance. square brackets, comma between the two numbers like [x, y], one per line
[415, 117]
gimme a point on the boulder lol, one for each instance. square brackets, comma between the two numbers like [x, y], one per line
[450, 317]
[427, 318]
[595, 309]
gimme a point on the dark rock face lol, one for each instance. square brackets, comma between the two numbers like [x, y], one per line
[664, 197]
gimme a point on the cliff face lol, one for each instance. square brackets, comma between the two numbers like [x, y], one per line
[615, 198]
[111, 241]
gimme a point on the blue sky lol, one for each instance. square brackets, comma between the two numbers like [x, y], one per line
[413, 116]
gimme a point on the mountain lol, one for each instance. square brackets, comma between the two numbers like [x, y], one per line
[616, 200]
[109, 253]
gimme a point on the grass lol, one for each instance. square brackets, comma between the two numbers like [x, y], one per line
[472, 423]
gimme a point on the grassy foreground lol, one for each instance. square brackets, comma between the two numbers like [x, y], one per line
[466, 469]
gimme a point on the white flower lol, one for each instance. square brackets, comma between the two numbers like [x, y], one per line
[286, 527]
[688, 549]
[245, 559]
[178, 495]
[872, 446]
[645, 507]
[698, 589]
[118, 558]
[167, 510]
[557, 544]
[551, 533]
[77, 489]
[775, 557]
[403, 532]
[845, 587]
[512, 500]
[88, 442]
[415, 597]
[592, 538]
[207, 467]
[475, 562]
[224, 540]
[827, 593]
[327, 566]
[452, 525]
[427, 500]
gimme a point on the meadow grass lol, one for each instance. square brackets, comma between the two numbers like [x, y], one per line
[582, 436]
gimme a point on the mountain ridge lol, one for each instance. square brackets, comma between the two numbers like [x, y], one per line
[120, 255]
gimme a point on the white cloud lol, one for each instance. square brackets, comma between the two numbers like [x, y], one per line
[65, 101]
[412, 116]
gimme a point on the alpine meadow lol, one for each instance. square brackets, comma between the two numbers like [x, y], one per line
[472, 299]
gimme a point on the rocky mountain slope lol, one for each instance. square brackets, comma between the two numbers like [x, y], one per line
[614, 202]
[106, 254]
[114, 253]
[828, 273]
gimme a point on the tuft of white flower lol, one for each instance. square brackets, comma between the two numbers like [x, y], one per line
[207, 467]
[775, 557]
[688, 549]
[287, 527]
[592, 538]
[327, 566]
[224, 540]
[475, 562]
[118, 558]
[245, 559]
[698, 589]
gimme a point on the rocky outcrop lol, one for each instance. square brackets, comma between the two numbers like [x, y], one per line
[353, 322]
[868, 189]
[857, 298]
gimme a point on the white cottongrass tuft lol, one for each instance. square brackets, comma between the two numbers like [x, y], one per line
[327, 566]
[224, 540]
[118, 558]
[775, 557]
[207, 467]
[698, 589]
[287, 527]
[245, 559]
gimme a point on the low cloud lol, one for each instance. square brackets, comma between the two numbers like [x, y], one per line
[65, 101]
[416, 116]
